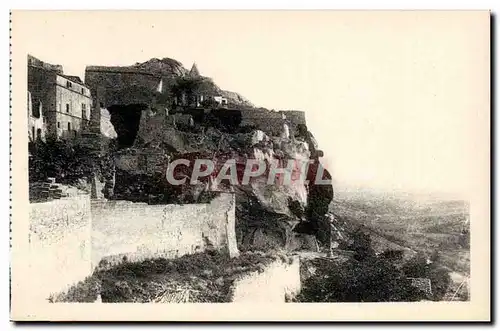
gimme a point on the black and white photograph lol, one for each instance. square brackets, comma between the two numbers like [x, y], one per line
[266, 158]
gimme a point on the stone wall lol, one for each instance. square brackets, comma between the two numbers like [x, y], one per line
[128, 231]
[33, 61]
[278, 281]
[60, 247]
[121, 85]
[268, 121]
[271, 122]
[69, 237]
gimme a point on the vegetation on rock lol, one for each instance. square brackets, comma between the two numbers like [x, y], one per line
[421, 267]
[369, 280]
[371, 277]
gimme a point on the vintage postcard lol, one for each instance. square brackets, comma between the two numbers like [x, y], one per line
[250, 165]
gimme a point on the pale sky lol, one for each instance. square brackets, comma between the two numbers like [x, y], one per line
[394, 99]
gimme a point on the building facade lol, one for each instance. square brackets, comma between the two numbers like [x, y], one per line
[72, 113]
[63, 102]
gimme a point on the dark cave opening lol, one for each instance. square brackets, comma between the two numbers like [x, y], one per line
[126, 120]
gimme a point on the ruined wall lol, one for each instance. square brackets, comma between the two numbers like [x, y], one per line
[33, 61]
[121, 85]
[268, 121]
[278, 281]
[70, 236]
[41, 84]
[59, 242]
[271, 122]
[36, 127]
[128, 231]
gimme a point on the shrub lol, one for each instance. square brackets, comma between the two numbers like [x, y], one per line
[419, 268]
[66, 160]
[366, 278]
[370, 280]
[361, 245]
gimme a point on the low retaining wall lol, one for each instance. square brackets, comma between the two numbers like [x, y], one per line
[279, 280]
[128, 231]
[60, 246]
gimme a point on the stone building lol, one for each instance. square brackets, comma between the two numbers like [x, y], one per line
[65, 101]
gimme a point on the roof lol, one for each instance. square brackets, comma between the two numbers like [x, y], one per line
[194, 72]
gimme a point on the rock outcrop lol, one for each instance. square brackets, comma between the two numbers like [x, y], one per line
[163, 67]
[238, 131]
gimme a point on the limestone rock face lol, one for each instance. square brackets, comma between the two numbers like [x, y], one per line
[273, 205]
[164, 67]
[273, 210]
[154, 128]
[107, 128]
[257, 137]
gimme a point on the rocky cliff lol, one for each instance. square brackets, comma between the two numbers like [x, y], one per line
[107, 128]
[162, 67]
[268, 211]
